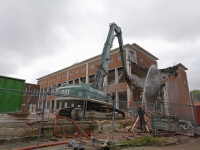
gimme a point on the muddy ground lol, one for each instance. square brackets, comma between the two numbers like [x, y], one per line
[174, 142]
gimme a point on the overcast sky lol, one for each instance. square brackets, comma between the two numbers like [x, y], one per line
[38, 37]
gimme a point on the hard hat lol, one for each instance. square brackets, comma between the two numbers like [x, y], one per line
[139, 106]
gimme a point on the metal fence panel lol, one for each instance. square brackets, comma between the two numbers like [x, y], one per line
[80, 123]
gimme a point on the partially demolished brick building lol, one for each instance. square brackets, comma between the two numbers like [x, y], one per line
[172, 88]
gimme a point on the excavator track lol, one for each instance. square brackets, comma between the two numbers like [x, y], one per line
[92, 111]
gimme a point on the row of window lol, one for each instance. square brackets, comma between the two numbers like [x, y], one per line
[92, 65]
[71, 72]
[51, 79]
[53, 89]
[111, 77]
[32, 92]
[131, 57]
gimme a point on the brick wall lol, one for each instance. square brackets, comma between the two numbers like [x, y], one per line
[31, 98]
[144, 61]
[77, 72]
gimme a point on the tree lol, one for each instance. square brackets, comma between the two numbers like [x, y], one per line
[195, 94]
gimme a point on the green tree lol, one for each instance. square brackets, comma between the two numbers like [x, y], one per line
[195, 94]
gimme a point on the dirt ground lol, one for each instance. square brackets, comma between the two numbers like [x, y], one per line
[187, 144]
[194, 144]
[184, 143]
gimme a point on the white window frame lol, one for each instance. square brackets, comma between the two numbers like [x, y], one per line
[131, 56]
[25, 91]
[36, 90]
[92, 66]
[30, 107]
[83, 69]
[119, 57]
[110, 60]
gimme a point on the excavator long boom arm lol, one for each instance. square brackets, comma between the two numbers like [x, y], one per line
[102, 68]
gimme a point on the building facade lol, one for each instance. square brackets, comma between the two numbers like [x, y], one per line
[138, 62]
[31, 97]
[114, 82]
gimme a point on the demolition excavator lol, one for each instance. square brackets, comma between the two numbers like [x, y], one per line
[89, 98]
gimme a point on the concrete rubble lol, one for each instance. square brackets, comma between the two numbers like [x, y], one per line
[25, 127]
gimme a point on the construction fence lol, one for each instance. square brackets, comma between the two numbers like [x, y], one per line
[92, 125]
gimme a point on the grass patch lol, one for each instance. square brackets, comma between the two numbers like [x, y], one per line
[142, 141]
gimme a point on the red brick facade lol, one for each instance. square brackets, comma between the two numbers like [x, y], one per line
[72, 74]
[31, 97]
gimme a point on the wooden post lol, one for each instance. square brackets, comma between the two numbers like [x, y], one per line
[135, 123]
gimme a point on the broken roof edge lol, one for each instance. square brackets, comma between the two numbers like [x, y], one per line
[182, 66]
[178, 66]
[115, 50]
[144, 51]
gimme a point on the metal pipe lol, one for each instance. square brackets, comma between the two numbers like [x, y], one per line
[61, 117]
[43, 145]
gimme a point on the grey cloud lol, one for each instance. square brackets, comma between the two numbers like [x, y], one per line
[28, 30]
[33, 29]
[188, 55]
[172, 20]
